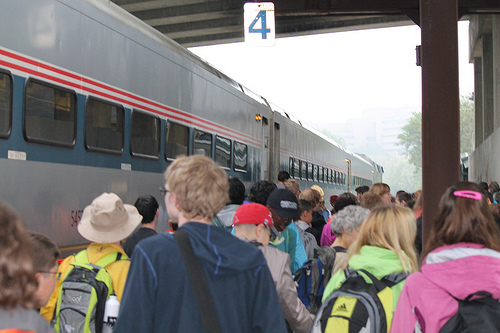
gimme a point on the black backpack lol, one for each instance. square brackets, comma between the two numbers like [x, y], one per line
[358, 305]
[312, 278]
[481, 314]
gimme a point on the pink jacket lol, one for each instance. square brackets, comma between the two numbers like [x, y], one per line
[425, 304]
[327, 236]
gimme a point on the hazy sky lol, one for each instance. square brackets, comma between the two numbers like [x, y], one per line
[329, 78]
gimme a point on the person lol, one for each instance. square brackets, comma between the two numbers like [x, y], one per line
[253, 223]
[417, 211]
[224, 217]
[306, 231]
[345, 225]
[45, 261]
[360, 190]
[322, 209]
[149, 209]
[282, 177]
[371, 200]
[318, 221]
[461, 258]
[383, 246]
[159, 294]
[403, 198]
[18, 282]
[105, 222]
[383, 190]
[293, 186]
[333, 198]
[260, 191]
[493, 187]
[344, 200]
[284, 206]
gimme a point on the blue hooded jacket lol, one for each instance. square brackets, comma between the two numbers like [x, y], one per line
[158, 295]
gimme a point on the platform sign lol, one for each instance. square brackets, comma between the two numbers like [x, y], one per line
[259, 23]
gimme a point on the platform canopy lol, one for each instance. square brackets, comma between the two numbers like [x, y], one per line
[207, 22]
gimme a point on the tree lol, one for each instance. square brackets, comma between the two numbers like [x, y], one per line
[411, 136]
[411, 139]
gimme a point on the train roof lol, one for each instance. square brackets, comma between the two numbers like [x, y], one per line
[154, 35]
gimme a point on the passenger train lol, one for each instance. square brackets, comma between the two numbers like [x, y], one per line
[94, 100]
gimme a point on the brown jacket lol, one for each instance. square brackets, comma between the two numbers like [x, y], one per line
[294, 311]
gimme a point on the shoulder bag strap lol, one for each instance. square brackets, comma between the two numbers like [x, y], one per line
[198, 282]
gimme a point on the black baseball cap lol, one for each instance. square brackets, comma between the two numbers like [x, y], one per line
[284, 203]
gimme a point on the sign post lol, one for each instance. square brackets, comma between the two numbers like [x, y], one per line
[259, 24]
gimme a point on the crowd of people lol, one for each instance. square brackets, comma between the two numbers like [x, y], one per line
[229, 260]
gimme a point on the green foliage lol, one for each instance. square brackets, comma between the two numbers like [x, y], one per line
[400, 174]
[411, 137]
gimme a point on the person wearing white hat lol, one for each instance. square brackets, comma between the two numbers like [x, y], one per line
[105, 222]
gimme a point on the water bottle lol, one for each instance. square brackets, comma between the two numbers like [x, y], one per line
[111, 310]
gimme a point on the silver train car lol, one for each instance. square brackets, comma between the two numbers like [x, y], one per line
[94, 100]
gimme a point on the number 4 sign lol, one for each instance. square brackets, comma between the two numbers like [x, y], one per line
[259, 23]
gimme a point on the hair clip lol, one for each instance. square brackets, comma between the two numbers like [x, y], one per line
[468, 194]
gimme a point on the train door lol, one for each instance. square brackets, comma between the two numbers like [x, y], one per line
[264, 165]
[274, 166]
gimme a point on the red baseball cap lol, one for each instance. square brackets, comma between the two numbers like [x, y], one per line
[252, 213]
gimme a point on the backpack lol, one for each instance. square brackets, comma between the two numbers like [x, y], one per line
[312, 278]
[83, 294]
[359, 306]
[475, 315]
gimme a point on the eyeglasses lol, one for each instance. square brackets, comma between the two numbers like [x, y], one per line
[163, 191]
[57, 274]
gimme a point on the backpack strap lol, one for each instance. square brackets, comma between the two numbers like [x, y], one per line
[389, 280]
[393, 279]
[217, 222]
[340, 249]
[82, 259]
[198, 282]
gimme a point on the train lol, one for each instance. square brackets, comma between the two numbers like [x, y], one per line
[94, 100]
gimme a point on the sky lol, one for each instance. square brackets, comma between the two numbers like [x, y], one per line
[329, 78]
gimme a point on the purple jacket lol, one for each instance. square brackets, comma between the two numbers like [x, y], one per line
[461, 269]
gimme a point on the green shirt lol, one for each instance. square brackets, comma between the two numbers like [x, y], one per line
[378, 261]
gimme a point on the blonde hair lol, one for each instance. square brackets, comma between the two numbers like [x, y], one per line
[311, 195]
[380, 189]
[393, 228]
[200, 185]
[292, 185]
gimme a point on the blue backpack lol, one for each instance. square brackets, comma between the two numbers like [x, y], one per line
[312, 278]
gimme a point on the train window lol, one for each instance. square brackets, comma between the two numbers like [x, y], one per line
[223, 151]
[240, 157]
[202, 143]
[145, 135]
[5, 105]
[309, 171]
[49, 114]
[176, 141]
[290, 167]
[104, 126]
[295, 168]
[321, 174]
[303, 170]
[315, 173]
